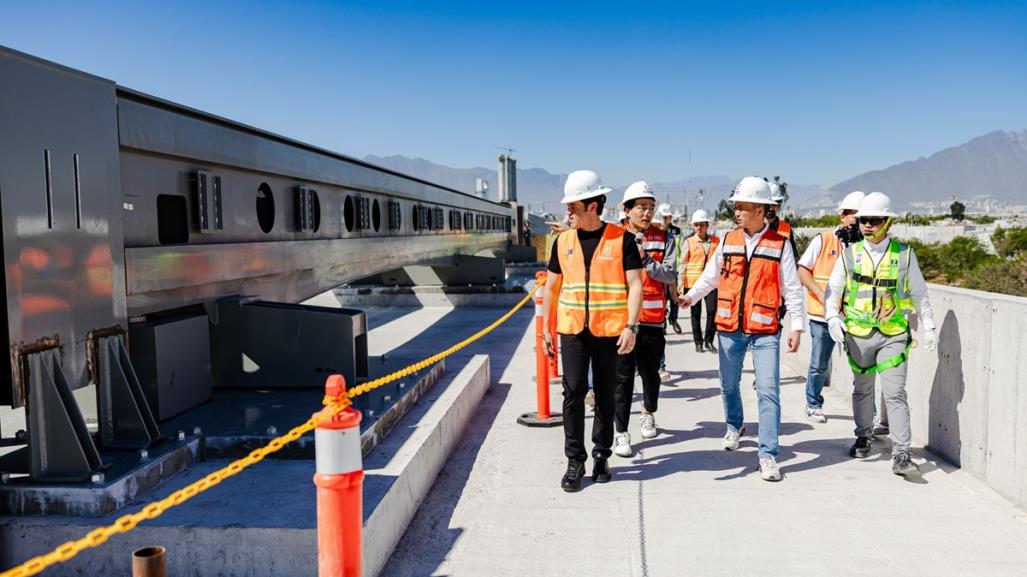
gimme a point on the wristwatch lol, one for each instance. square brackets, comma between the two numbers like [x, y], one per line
[633, 329]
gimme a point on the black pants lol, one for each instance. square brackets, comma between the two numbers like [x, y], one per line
[711, 319]
[672, 300]
[577, 352]
[646, 357]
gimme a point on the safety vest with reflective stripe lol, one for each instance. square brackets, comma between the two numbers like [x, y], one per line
[595, 298]
[877, 298]
[750, 287]
[830, 250]
[783, 228]
[654, 293]
[697, 257]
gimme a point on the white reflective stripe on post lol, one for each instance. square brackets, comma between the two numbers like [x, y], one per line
[653, 304]
[337, 451]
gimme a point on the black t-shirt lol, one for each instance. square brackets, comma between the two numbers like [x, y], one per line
[590, 241]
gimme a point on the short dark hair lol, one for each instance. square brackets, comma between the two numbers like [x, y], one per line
[629, 204]
[600, 203]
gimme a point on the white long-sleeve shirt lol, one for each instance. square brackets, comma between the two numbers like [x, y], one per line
[917, 284]
[791, 289]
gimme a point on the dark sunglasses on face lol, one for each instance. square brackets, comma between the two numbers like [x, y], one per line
[872, 220]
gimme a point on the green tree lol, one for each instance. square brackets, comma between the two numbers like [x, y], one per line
[961, 256]
[929, 259]
[957, 211]
[801, 243]
[1009, 242]
[1006, 276]
[725, 211]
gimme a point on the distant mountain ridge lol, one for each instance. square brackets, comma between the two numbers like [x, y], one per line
[992, 165]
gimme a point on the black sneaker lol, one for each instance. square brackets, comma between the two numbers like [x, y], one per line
[861, 448]
[571, 481]
[601, 471]
[677, 327]
[698, 347]
[710, 347]
[901, 464]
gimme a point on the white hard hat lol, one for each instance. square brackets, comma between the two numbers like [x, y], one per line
[582, 184]
[752, 189]
[700, 216]
[851, 200]
[775, 191]
[664, 210]
[622, 216]
[637, 190]
[875, 204]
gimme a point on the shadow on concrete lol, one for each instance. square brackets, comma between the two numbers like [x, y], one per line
[943, 434]
[429, 539]
[692, 394]
[379, 316]
[737, 463]
[500, 345]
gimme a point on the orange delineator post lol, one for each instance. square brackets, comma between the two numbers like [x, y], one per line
[543, 417]
[339, 480]
[542, 363]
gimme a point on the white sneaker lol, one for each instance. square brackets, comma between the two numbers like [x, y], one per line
[665, 375]
[647, 423]
[816, 415]
[732, 437]
[622, 445]
[769, 469]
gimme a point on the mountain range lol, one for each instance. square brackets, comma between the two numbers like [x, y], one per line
[992, 167]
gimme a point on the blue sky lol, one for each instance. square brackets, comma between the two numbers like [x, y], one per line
[813, 91]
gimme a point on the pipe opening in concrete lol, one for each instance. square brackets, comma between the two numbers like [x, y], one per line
[147, 552]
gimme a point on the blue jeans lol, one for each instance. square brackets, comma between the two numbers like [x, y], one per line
[819, 363]
[767, 361]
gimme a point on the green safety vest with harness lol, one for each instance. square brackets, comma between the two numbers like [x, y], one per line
[877, 298]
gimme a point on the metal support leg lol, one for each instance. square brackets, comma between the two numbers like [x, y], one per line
[60, 448]
[125, 417]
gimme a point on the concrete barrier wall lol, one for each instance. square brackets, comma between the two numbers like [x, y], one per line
[969, 399]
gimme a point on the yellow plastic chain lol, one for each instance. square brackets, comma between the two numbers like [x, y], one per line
[333, 405]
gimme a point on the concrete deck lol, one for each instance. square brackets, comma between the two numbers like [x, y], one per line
[684, 506]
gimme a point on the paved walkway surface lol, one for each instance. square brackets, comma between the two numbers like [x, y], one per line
[683, 506]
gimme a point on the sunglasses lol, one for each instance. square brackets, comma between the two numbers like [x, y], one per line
[872, 220]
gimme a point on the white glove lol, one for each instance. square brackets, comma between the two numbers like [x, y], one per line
[836, 328]
[930, 340]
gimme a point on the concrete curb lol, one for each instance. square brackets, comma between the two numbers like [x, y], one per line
[402, 469]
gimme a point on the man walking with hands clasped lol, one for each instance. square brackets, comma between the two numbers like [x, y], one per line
[698, 249]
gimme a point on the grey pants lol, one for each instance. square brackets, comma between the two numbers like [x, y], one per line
[869, 351]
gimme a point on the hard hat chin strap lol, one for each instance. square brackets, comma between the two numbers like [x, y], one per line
[881, 232]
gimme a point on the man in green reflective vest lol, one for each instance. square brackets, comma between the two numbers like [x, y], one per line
[878, 285]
